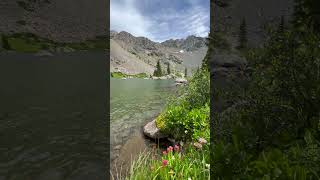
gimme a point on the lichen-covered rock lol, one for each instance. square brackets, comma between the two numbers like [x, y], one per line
[151, 130]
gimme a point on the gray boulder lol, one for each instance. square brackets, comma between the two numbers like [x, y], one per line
[151, 130]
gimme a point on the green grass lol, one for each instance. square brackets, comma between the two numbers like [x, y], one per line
[180, 163]
[28, 42]
[123, 75]
[22, 45]
[118, 75]
[140, 75]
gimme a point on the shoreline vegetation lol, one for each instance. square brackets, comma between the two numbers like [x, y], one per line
[120, 75]
[30, 43]
[185, 123]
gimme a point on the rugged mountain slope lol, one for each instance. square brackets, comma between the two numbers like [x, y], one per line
[58, 20]
[132, 55]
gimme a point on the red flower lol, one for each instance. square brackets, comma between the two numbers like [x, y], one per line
[170, 149]
[164, 153]
[176, 148]
[164, 162]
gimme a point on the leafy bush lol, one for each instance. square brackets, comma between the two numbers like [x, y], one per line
[188, 118]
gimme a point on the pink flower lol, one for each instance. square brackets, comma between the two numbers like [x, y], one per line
[164, 162]
[170, 149]
[176, 148]
[164, 153]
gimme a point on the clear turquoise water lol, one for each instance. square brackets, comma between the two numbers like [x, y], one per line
[133, 103]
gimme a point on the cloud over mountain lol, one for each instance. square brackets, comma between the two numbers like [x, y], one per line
[160, 20]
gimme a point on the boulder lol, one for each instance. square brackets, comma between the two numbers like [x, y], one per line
[181, 80]
[152, 131]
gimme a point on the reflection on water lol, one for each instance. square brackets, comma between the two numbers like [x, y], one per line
[133, 103]
[52, 117]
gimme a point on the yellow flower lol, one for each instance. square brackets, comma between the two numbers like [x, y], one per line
[171, 172]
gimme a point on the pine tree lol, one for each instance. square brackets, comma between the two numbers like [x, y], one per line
[185, 72]
[281, 25]
[243, 35]
[168, 69]
[158, 71]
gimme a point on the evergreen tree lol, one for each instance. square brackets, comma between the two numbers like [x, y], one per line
[281, 25]
[157, 72]
[168, 69]
[5, 43]
[243, 35]
[185, 72]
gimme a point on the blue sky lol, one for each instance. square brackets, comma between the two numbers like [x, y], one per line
[161, 20]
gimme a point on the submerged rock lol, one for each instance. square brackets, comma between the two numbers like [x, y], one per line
[151, 130]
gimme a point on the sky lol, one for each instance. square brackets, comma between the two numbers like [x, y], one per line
[160, 20]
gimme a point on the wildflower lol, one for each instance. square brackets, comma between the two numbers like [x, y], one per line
[170, 148]
[208, 166]
[164, 162]
[176, 148]
[202, 141]
[189, 178]
[164, 153]
[171, 172]
[197, 145]
[186, 131]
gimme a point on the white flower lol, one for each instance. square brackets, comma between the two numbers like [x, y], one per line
[208, 166]
[186, 131]
[189, 178]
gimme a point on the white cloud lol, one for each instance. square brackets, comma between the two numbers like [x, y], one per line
[125, 17]
[161, 24]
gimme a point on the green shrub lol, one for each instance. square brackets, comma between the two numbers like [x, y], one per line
[188, 117]
[118, 75]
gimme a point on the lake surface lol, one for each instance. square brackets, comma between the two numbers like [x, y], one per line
[53, 118]
[134, 102]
